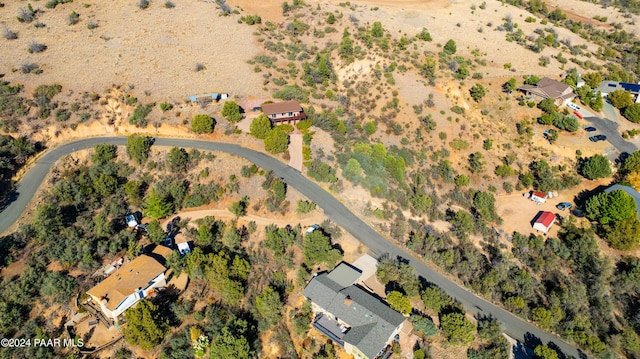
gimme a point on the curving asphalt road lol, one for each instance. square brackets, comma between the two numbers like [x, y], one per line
[334, 209]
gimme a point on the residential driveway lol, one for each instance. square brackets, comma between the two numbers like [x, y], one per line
[295, 150]
[608, 126]
[245, 124]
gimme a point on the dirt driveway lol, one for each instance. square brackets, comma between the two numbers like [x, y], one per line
[295, 150]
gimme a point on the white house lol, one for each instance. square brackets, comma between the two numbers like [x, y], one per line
[607, 87]
[126, 286]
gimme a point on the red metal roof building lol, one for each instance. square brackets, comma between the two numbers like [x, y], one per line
[538, 196]
[544, 221]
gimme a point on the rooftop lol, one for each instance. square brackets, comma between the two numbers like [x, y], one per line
[281, 107]
[549, 88]
[345, 274]
[371, 321]
[546, 218]
[607, 87]
[123, 282]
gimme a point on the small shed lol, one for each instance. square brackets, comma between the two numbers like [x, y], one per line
[544, 221]
[538, 196]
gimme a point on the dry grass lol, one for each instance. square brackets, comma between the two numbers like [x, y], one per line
[155, 49]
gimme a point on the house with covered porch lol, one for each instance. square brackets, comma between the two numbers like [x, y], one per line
[284, 112]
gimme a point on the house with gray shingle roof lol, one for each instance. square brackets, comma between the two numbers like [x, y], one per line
[350, 316]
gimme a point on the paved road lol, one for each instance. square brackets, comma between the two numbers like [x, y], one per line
[608, 126]
[334, 209]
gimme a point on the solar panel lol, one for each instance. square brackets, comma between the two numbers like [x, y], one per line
[630, 87]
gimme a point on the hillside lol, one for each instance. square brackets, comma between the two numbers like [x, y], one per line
[414, 122]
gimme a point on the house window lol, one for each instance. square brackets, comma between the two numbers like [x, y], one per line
[290, 114]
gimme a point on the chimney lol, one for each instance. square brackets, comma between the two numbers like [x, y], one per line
[347, 301]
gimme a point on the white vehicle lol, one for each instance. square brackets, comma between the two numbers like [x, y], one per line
[312, 228]
[573, 106]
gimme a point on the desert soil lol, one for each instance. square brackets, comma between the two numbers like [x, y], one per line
[155, 50]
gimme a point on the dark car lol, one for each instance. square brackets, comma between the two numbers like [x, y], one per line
[590, 129]
[597, 138]
[564, 205]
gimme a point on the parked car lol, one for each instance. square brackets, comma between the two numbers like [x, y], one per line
[590, 129]
[597, 138]
[573, 106]
[564, 205]
[312, 228]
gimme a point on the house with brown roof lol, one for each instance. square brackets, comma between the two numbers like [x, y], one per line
[284, 112]
[135, 280]
[560, 92]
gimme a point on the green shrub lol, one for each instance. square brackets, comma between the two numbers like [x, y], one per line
[277, 141]
[596, 166]
[304, 125]
[457, 109]
[202, 123]
[231, 111]
[62, 115]
[286, 128]
[74, 18]
[321, 171]
[165, 106]
[459, 144]
[632, 113]
[251, 19]
[139, 115]
[305, 207]
[424, 35]
[370, 128]
[292, 92]
[260, 127]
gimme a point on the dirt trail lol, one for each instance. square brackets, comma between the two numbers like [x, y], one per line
[224, 214]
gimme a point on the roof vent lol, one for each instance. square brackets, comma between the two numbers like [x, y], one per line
[347, 301]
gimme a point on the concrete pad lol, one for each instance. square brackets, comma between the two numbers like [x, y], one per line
[367, 264]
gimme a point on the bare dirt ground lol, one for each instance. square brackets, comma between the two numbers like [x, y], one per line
[518, 211]
[156, 49]
[224, 214]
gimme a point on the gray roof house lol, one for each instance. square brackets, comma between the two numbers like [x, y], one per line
[350, 316]
[607, 87]
[630, 191]
[560, 92]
